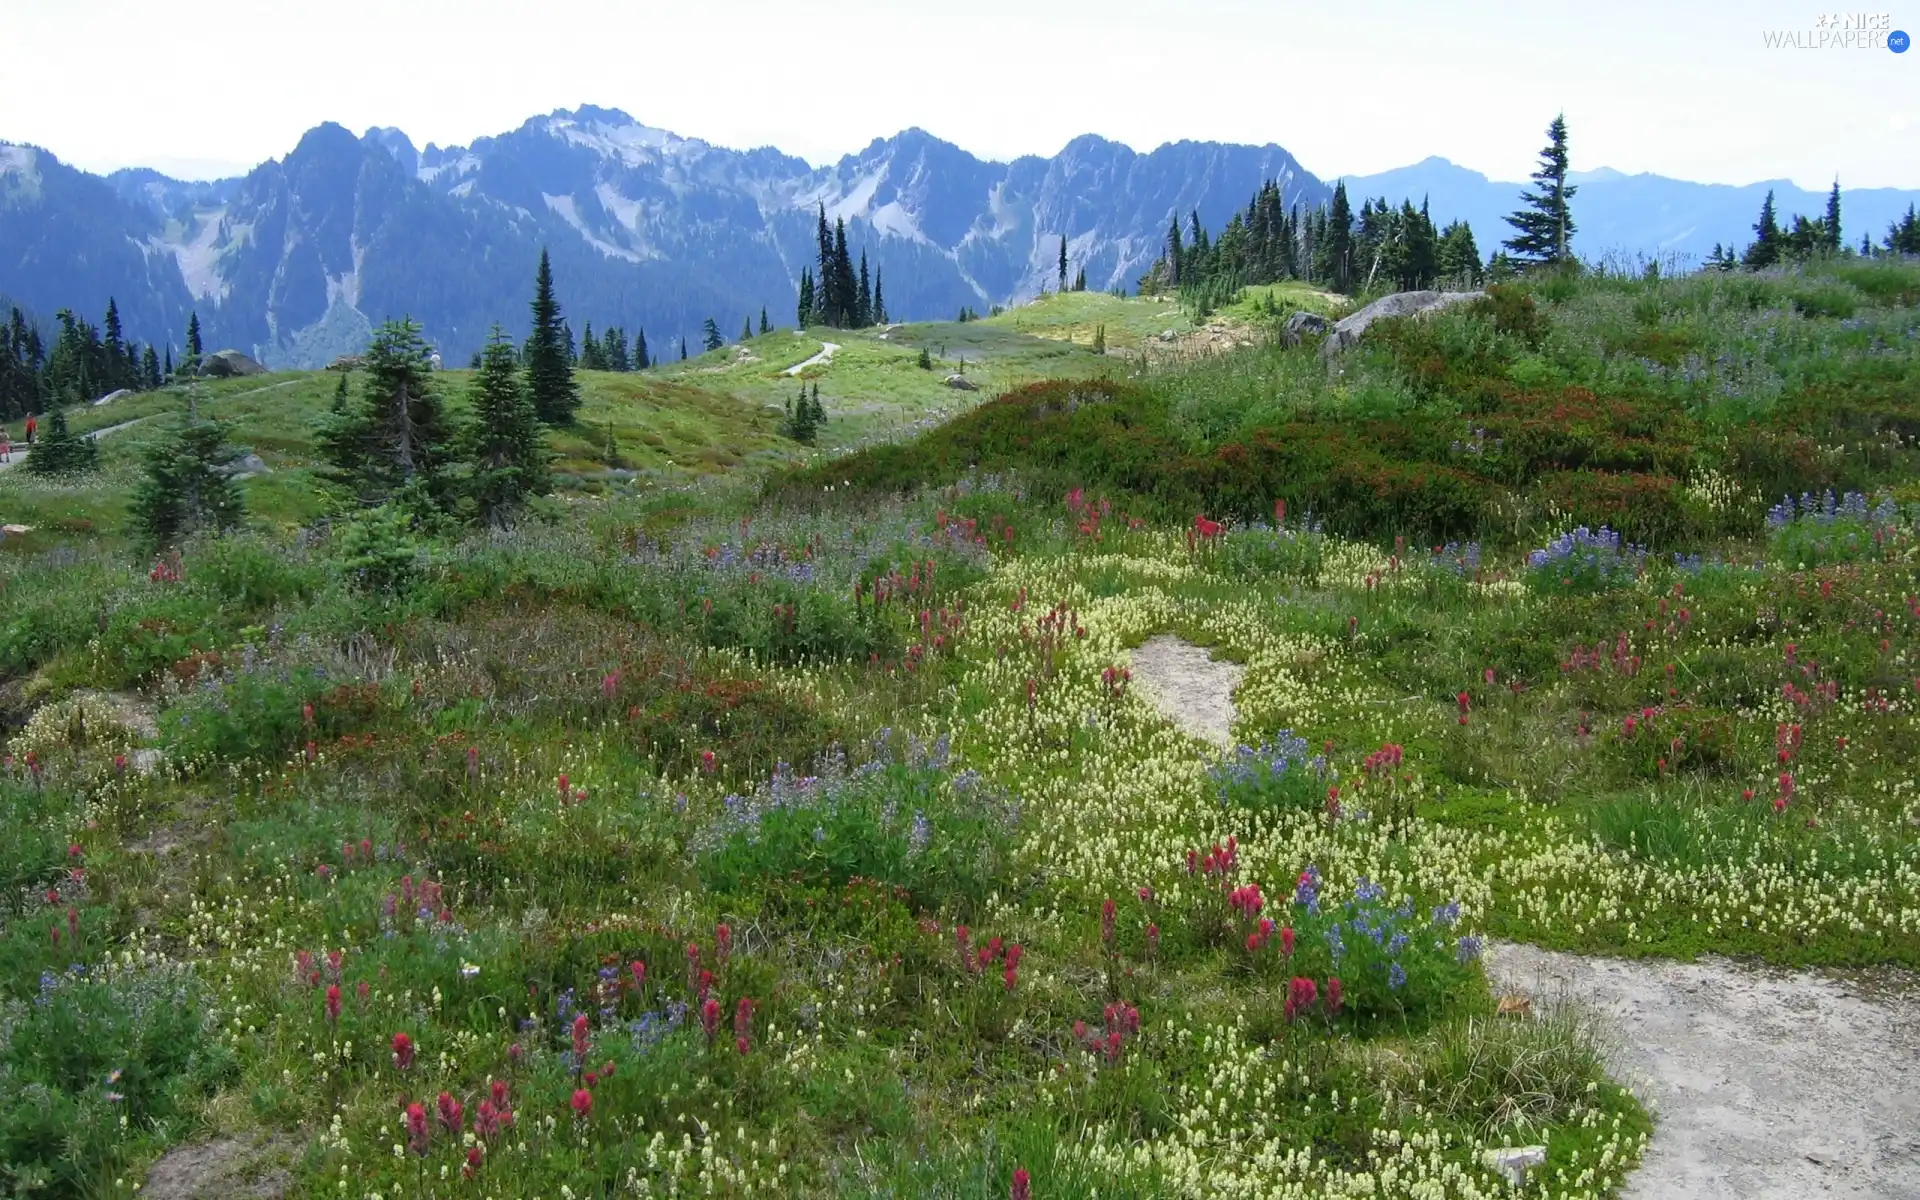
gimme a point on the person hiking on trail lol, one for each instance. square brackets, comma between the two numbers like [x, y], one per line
[6, 447]
[31, 426]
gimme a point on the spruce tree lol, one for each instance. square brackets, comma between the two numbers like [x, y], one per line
[863, 300]
[765, 326]
[843, 293]
[746, 330]
[116, 375]
[394, 437]
[185, 488]
[710, 336]
[590, 351]
[683, 347]
[1063, 264]
[1173, 252]
[193, 341]
[1833, 219]
[505, 446]
[804, 312]
[1338, 241]
[819, 413]
[60, 451]
[549, 370]
[613, 349]
[879, 301]
[1544, 226]
[640, 360]
[1765, 250]
[926, 360]
[149, 369]
[166, 371]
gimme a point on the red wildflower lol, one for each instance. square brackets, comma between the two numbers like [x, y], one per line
[1335, 993]
[722, 942]
[580, 1030]
[452, 1117]
[418, 1132]
[582, 1103]
[1106, 922]
[402, 1051]
[1022, 1186]
[710, 1019]
[333, 1002]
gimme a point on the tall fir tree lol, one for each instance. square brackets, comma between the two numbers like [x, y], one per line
[556, 397]
[613, 349]
[590, 351]
[683, 347]
[1543, 226]
[804, 311]
[1767, 239]
[194, 350]
[710, 339]
[1063, 264]
[149, 368]
[863, 301]
[166, 370]
[765, 326]
[1833, 219]
[186, 488]
[505, 446]
[879, 300]
[746, 329]
[394, 437]
[1174, 253]
[640, 360]
[1338, 240]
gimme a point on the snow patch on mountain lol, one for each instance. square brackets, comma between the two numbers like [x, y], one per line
[16, 159]
[893, 220]
[198, 254]
[564, 207]
[631, 214]
[457, 168]
[633, 144]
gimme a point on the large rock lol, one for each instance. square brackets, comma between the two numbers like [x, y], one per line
[1347, 330]
[1303, 325]
[962, 383]
[222, 364]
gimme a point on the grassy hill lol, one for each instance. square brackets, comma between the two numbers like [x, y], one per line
[792, 822]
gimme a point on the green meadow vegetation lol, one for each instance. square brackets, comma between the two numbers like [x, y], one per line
[754, 818]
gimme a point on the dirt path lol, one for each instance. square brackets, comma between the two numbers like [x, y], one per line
[824, 357]
[20, 448]
[1763, 1083]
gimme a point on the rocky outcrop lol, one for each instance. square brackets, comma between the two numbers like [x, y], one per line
[1302, 325]
[962, 383]
[225, 364]
[1348, 330]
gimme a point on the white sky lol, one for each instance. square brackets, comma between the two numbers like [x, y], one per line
[1680, 87]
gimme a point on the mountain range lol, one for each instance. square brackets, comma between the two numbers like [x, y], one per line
[296, 261]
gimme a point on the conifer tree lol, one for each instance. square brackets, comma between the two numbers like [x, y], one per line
[590, 351]
[640, 360]
[1543, 227]
[683, 347]
[1173, 252]
[394, 436]
[1903, 236]
[863, 300]
[1338, 240]
[549, 359]
[505, 446]
[60, 451]
[879, 300]
[843, 294]
[613, 349]
[819, 414]
[711, 339]
[185, 488]
[1833, 219]
[1765, 250]
[746, 329]
[765, 327]
[926, 360]
[800, 424]
[1063, 263]
[193, 341]
[804, 312]
[149, 368]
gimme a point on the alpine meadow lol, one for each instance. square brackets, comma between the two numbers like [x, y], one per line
[1145, 675]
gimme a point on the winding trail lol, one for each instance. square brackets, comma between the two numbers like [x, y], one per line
[20, 450]
[823, 358]
[1764, 1084]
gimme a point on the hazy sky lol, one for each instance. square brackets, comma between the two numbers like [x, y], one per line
[1681, 87]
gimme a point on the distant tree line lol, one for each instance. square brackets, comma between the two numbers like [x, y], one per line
[85, 362]
[1804, 238]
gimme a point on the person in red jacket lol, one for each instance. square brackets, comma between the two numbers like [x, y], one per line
[31, 426]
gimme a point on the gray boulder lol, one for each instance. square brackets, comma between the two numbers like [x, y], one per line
[1347, 330]
[1303, 325]
[1514, 1162]
[961, 383]
[224, 364]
